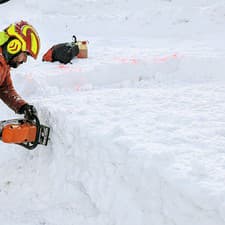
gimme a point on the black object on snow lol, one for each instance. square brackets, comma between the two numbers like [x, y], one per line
[3, 1]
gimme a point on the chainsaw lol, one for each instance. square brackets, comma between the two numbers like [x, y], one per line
[28, 133]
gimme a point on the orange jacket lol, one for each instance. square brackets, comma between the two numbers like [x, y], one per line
[7, 92]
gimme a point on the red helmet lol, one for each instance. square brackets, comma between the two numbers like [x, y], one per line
[23, 37]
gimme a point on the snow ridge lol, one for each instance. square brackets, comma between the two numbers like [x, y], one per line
[137, 128]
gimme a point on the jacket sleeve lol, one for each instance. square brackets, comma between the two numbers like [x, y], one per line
[9, 95]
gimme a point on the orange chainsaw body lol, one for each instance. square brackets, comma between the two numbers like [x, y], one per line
[19, 133]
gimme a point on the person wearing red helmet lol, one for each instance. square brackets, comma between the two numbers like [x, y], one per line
[17, 42]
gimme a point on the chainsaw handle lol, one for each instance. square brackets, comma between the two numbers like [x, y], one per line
[33, 145]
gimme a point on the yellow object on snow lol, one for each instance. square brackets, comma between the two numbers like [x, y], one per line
[83, 49]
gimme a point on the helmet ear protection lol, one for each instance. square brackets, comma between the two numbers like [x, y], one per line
[3, 38]
[14, 46]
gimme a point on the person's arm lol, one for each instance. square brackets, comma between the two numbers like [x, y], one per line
[9, 95]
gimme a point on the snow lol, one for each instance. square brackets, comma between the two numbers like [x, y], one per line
[138, 129]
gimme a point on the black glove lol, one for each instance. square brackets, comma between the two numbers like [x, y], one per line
[29, 111]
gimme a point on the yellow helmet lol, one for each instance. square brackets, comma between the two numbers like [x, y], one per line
[23, 37]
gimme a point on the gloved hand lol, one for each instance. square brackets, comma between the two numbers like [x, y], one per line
[29, 111]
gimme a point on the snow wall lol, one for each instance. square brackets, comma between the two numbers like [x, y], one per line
[137, 129]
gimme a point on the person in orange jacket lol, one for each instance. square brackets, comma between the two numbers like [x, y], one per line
[17, 42]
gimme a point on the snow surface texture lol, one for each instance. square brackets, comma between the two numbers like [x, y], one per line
[138, 128]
